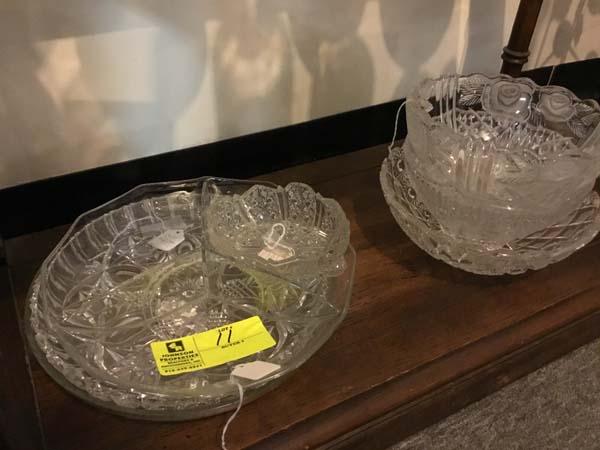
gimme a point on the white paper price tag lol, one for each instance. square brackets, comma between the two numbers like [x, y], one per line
[275, 254]
[254, 370]
[168, 240]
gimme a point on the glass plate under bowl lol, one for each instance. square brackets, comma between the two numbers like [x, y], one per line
[534, 251]
[106, 292]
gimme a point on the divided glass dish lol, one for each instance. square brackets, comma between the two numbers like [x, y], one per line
[139, 270]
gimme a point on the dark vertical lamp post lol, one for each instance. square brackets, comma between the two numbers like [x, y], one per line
[515, 54]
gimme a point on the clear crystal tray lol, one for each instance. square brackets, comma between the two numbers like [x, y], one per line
[108, 290]
[533, 251]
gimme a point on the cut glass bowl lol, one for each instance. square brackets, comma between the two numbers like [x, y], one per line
[106, 292]
[497, 158]
[533, 251]
[291, 231]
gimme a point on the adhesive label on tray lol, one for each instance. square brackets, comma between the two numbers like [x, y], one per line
[168, 240]
[174, 223]
[275, 254]
[255, 370]
[211, 348]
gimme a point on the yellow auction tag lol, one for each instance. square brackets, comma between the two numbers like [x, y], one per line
[211, 348]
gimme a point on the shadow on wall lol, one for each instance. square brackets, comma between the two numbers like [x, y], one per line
[414, 43]
[251, 66]
[92, 83]
[569, 19]
[30, 122]
[325, 36]
[485, 36]
[178, 61]
[87, 83]
[442, 43]
[256, 86]
[142, 71]
[95, 82]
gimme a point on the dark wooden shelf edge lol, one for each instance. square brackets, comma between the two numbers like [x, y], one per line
[476, 386]
[20, 427]
[524, 356]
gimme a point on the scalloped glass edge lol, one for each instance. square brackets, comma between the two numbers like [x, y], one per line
[416, 98]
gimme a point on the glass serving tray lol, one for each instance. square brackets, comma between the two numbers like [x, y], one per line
[110, 288]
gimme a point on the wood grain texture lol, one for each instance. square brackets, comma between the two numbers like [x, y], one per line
[19, 425]
[421, 340]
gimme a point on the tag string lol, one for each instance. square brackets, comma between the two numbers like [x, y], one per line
[235, 413]
[396, 124]
[269, 239]
[273, 244]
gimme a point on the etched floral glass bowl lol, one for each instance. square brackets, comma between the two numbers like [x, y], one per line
[534, 251]
[291, 231]
[496, 158]
[106, 292]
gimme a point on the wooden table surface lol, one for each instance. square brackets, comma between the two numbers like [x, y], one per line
[421, 340]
